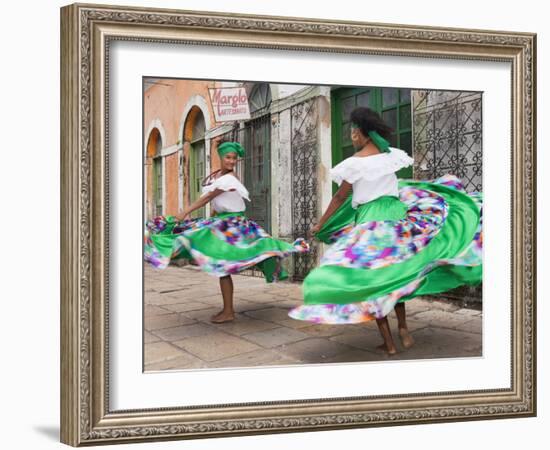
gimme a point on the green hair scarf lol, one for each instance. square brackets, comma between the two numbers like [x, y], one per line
[379, 141]
[230, 147]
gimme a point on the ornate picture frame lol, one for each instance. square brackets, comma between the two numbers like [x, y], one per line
[87, 31]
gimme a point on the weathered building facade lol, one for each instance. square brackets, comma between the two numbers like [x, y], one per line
[294, 136]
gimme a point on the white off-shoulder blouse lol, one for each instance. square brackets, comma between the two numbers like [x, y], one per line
[232, 200]
[371, 176]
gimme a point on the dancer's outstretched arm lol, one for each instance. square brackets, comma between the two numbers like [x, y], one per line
[206, 198]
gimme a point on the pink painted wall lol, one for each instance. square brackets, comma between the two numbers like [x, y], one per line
[165, 101]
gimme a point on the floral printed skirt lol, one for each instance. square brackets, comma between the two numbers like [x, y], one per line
[427, 241]
[220, 245]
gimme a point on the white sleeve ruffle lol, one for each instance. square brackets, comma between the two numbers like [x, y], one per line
[370, 167]
[227, 182]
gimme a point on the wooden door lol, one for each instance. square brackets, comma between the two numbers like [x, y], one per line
[393, 105]
[197, 167]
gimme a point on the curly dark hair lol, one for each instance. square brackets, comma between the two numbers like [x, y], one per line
[368, 120]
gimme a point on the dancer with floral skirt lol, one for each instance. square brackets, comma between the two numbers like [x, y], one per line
[224, 244]
[391, 240]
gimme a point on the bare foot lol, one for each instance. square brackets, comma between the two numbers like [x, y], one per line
[406, 339]
[383, 348]
[222, 317]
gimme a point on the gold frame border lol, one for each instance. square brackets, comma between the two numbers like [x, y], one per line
[86, 31]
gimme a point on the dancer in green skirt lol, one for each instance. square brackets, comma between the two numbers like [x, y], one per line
[224, 244]
[391, 240]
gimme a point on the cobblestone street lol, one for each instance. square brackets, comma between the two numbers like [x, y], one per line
[178, 334]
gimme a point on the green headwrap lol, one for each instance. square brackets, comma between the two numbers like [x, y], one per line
[231, 147]
[379, 141]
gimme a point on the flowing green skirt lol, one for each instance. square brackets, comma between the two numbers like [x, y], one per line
[220, 245]
[427, 241]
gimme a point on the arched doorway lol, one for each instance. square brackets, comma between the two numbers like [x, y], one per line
[194, 132]
[155, 198]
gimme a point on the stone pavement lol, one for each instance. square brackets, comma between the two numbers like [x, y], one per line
[178, 335]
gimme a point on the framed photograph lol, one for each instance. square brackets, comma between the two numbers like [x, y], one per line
[250, 204]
